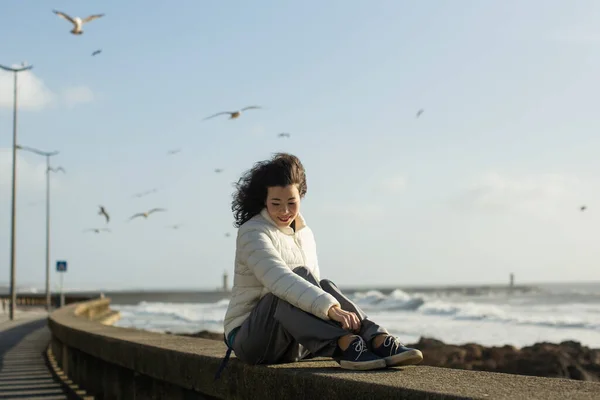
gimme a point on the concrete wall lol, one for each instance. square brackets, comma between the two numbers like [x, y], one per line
[120, 363]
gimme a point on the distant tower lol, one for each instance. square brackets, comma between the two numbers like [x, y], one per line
[512, 280]
[225, 282]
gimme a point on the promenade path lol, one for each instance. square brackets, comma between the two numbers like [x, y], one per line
[23, 370]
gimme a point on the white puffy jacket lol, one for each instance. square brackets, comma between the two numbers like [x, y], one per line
[265, 256]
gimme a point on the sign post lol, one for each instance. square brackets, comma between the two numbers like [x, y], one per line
[61, 267]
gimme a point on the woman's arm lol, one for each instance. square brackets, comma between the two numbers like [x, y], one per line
[258, 252]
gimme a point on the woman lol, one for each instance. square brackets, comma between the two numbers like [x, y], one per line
[280, 310]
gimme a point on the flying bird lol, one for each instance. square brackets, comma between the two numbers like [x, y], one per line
[103, 212]
[97, 230]
[227, 234]
[57, 169]
[176, 226]
[218, 170]
[147, 192]
[77, 22]
[233, 114]
[147, 213]
[95, 53]
[583, 208]
[420, 112]
[283, 134]
[175, 151]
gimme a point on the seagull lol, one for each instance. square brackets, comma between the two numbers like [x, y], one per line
[170, 152]
[57, 169]
[147, 213]
[218, 170]
[103, 212]
[420, 112]
[97, 230]
[77, 22]
[97, 52]
[147, 192]
[283, 134]
[176, 226]
[583, 208]
[234, 114]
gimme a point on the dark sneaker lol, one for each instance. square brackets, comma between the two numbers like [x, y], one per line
[358, 357]
[395, 353]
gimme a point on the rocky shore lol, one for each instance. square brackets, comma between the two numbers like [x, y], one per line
[567, 359]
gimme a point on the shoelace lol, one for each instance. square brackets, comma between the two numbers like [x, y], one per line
[360, 347]
[393, 343]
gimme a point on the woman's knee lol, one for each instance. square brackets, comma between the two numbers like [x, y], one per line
[326, 284]
[306, 273]
[302, 271]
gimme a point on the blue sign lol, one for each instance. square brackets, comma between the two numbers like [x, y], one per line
[61, 266]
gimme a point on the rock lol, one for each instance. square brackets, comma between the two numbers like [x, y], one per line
[438, 354]
[206, 335]
[474, 352]
[203, 335]
[568, 359]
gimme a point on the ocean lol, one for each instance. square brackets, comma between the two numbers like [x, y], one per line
[488, 316]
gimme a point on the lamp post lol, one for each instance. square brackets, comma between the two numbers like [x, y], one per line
[13, 289]
[49, 169]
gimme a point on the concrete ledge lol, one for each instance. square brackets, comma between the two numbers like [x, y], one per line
[111, 362]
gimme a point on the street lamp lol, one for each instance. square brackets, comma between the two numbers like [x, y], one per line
[46, 154]
[13, 289]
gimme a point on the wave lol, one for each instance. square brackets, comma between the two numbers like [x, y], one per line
[395, 301]
[182, 312]
[564, 315]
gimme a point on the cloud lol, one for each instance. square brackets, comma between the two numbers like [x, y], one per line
[31, 176]
[77, 95]
[33, 94]
[394, 184]
[542, 195]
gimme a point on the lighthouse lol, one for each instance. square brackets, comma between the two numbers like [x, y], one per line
[225, 282]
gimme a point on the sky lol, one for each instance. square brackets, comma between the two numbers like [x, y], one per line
[488, 181]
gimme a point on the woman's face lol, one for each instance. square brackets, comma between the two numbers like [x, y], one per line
[283, 204]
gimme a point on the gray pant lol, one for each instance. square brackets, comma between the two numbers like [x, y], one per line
[278, 332]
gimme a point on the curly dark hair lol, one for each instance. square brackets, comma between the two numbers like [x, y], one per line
[251, 189]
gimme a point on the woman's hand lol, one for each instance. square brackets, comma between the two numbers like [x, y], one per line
[349, 320]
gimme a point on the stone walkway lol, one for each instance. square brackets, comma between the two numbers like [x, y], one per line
[23, 370]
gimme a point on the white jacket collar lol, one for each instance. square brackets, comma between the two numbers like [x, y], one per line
[300, 222]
